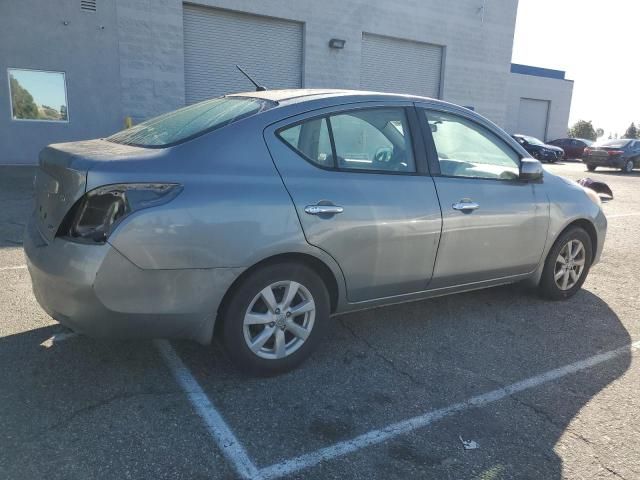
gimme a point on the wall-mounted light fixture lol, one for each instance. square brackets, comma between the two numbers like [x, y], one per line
[336, 43]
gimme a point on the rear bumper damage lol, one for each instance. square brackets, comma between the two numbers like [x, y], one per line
[95, 290]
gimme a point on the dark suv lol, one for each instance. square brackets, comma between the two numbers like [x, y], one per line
[538, 149]
[621, 153]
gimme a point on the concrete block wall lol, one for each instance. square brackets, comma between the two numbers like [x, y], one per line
[33, 35]
[134, 66]
[151, 52]
[557, 92]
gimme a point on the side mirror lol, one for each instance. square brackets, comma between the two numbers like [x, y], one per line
[531, 170]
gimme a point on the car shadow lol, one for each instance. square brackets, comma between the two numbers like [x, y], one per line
[74, 402]
[79, 408]
[394, 363]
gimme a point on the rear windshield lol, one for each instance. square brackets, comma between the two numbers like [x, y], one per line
[613, 143]
[190, 122]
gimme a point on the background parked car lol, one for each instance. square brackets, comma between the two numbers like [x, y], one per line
[621, 153]
[538, 149]
[573, 147]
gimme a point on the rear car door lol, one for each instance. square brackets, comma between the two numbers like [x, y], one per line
[494, 225]
[361, 194]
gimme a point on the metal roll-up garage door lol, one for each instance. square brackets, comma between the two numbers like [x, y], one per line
[216, 40]
[400, 66]
[533, 117]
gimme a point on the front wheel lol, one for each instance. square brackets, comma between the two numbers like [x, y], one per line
[567, 265]
[628, 166]
[275, 318]
[591, 168]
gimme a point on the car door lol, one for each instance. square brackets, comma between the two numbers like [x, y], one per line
[361, 195]
[494, 224]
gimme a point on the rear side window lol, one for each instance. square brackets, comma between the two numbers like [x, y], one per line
[375, 140]
[311, 139]
[190, 122]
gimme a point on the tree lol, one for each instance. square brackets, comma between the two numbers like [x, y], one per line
[599, 132]
[632, 131]
[583, 129]
[23, 104]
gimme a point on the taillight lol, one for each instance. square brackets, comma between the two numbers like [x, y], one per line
[615, 152]
[96, 214]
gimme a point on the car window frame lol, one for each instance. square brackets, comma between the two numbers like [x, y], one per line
[432, 152]
[415, 137]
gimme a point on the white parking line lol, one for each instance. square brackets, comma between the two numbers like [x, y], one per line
[15, 267]
[374, 437]
[217, 427]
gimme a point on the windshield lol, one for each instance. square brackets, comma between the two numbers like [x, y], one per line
[532, 140]
[190, 122]
[612, 143]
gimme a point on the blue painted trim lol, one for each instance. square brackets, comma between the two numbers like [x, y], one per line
[537, 71]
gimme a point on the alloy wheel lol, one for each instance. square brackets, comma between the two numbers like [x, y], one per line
[569, 265]
[279, 320]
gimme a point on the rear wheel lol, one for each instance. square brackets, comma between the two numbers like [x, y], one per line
[275, 318]
[628, 166]
[591, 168]
[567, 265]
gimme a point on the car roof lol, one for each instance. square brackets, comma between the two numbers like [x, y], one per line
[296, 95]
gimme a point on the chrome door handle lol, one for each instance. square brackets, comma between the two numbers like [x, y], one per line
[323, 209]
[465, 206]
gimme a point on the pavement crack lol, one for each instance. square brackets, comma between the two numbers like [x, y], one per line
[548, 418]
[612, 471]
[385, 359]
[102, 403]
[540, 413]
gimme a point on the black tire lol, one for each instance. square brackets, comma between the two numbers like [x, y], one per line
[233, 314]
[591, 168]
[628, 166]
[548, 287]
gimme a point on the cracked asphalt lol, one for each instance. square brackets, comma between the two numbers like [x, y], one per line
[82, 408]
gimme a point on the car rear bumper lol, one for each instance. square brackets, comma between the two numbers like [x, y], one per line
[95, 290]
[613, 162]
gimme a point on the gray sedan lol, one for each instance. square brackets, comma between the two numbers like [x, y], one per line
[257, 216]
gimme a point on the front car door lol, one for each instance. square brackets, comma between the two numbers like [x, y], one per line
[361, 194]
[494, 225]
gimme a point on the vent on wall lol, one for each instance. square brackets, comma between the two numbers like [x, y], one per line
[88, 5]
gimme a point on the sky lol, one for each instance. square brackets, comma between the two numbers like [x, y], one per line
[46, 88]
[597, 43]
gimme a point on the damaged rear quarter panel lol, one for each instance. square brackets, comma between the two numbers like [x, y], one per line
[232, 212]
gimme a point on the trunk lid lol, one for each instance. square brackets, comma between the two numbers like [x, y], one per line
[61, 178]
[601, 152]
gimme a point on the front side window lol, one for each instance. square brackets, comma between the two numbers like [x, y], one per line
[189, 122]
[375, 140]
[38, 95]
[468, 150]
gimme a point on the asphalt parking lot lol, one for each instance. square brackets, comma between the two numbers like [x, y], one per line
[545, 390]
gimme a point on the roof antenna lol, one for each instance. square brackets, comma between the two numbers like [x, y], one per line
[259, 88]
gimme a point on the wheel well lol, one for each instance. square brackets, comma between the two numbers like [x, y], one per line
[310, 261]
[588, 227]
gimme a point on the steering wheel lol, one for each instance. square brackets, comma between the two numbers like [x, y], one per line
[383, 155]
